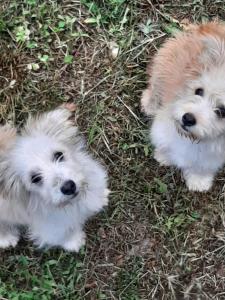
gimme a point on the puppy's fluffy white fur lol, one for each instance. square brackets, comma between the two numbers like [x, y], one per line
[33, 168]
[187, 76]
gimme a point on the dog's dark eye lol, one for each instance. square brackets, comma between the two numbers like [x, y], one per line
[220, 111]
[36, 178]
[58, 156]
[199, 92]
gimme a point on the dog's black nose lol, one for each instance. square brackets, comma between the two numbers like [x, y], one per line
[188, 119]
[68, 187]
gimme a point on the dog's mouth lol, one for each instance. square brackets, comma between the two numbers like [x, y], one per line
[68, 201]
[184, 132]
[184, 128]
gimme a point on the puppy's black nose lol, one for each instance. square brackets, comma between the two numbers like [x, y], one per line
[188, 119]
[68, 187]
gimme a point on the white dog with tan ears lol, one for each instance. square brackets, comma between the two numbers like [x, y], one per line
[48, 182]
[186, 96]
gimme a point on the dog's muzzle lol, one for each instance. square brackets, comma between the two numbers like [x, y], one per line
[183, 131]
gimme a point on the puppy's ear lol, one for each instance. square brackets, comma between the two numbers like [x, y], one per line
[150, 100]
[10, 185]
[57, 124]
[213, 51]
[7, 137]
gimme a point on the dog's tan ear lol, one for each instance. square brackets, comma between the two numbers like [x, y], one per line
[70, 106]
[150, 101]
[7, 137]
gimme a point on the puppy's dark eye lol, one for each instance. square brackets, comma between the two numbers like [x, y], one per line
[36, 178]
[220, 111]
[58, 156]
[199, 92]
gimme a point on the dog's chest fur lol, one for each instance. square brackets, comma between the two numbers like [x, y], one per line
[184, 153]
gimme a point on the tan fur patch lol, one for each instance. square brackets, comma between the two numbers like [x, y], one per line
[7, 137]
[178, 60]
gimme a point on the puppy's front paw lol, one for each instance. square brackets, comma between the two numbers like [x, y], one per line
[8, 239]
[161, 158]
[198, 183]
[75, 242]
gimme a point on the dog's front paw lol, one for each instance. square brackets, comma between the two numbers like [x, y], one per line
[8, 240]
[161, 158]
[75, 242]
[198, 183]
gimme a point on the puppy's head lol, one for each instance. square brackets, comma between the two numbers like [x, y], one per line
[188, 81]
[198, 110]
[46, 159]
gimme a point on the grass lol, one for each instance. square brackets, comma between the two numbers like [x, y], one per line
[156, 240]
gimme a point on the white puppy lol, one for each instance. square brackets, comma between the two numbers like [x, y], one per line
[49, 183]
[186, 96]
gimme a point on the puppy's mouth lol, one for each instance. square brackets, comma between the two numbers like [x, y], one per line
[184, 128]
[184, 132]
[69, 201]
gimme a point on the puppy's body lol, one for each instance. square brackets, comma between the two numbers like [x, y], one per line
[50, 184]
[186, 96]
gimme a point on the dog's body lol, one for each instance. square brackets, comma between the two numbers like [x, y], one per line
[186, 96]
[49, 183]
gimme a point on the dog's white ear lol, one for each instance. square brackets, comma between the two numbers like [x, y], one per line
[213, 51]
[11, 186]
[9, 183]
[56, 123]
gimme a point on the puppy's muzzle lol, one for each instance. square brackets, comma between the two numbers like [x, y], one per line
[188, 120]
[69, 188]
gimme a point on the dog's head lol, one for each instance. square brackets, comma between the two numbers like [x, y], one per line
[198, 110]
[188, 81]
[46, 159]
